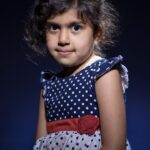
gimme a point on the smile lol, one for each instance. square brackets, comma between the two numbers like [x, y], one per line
[64, 52]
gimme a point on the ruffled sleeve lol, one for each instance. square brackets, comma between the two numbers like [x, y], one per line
[106, 65]
[45, 76]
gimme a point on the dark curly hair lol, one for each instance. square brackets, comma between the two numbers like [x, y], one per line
[100, 13]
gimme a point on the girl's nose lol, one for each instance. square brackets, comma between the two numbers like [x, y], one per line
[63, 38]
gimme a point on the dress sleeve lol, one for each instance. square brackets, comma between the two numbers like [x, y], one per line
[115, 62]
[45, 76]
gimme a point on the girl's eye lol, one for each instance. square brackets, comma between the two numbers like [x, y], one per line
[76, 28]
[52, 27]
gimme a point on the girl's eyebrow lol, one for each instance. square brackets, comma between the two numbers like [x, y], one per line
[68, 24]
[76, 22]
[52, 23]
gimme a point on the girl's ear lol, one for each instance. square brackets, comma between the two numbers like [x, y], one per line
[97, 36]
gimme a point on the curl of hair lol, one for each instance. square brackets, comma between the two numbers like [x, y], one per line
[100, 13]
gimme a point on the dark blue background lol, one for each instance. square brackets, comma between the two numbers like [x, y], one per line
[19, 77]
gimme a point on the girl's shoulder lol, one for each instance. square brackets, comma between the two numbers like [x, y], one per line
[103, 65]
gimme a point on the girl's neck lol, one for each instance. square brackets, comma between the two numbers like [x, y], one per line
[67, 71]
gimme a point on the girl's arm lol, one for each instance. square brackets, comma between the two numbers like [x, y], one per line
[42, 124]
[112, 111]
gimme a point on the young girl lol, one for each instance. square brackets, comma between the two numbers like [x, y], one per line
[82, 106]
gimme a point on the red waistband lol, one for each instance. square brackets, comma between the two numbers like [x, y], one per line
[87, 124]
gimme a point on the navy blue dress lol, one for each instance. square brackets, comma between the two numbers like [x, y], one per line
[74, 97]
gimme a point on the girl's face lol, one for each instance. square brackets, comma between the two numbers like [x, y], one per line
[69, 39]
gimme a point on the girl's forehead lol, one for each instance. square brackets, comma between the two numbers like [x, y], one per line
[70, 15]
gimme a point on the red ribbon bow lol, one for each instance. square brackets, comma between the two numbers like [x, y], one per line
[88, 124]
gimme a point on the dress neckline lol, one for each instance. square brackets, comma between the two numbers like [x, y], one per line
[88, 65]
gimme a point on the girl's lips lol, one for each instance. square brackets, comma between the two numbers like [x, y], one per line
[64, 52]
